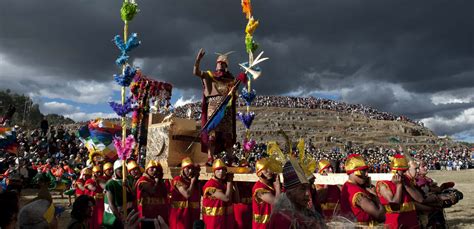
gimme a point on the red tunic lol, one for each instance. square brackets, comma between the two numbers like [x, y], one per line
[45, 168]
[78, 190]
[314, 202]
[96, 221]
[216, 213]
[330, 204]
[404, 215]
[57, 172]
[68, 169]
[261, 209]
[150, 205]
[243, 209]
[184, 211]
[349, 195]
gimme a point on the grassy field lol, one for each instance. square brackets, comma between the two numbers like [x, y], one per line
[458, 216]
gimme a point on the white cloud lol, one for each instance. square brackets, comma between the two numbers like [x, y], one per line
[57, 108]
[443, 125]
[454, 96]
[81, 92]
[81, 116]
[27, 80]
[181, 101]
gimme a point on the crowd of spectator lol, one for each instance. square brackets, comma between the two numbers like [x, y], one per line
[378, 158]
[193, 110]
[39, 150]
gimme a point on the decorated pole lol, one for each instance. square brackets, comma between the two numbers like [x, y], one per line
[128, 10]
[252, 72]
[124, 127]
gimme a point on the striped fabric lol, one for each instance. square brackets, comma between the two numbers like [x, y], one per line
[290, 177]
[293, 174]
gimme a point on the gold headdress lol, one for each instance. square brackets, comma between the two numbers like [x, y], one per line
[86, 171]
[186, 162]
[107, 165]
[354, 164]
[223, 57]
[218, 164]
[399, 163]
[323, 164]
[132, 165]
[96, 169]
[307, 162]
[153, 163]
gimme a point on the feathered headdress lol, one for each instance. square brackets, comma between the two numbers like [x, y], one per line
[224, 57]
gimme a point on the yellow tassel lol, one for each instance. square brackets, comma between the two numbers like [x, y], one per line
[251, 26]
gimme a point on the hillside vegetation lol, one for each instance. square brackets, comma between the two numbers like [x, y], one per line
[28, 114]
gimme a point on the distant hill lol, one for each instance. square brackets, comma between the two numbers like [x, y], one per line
[328, 123]
[27, 113]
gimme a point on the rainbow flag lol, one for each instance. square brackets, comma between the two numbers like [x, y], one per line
[8, 139]
[218, 115]
[98, 135]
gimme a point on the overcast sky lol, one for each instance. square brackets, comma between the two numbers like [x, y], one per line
[414, 58]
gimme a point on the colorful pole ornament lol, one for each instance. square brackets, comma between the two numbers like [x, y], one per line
[252, 71]
[128, 11]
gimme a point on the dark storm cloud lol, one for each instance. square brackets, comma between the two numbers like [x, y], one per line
[423, 47]
[407, 42]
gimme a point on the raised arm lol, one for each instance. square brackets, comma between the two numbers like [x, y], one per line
[196, 70]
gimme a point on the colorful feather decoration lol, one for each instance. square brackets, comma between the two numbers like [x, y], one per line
[274, 149]
[128, 10]
[251, 26]
[248, 145]
[125, 151]
[122, 59]
[119, 43]
[122, 110]
[246, 118]
[132, 42]
[250, 44]
[125, 79]
[246, 8]
[253, 71]
[248, 97]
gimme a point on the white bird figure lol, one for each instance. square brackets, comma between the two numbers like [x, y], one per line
[253, 63]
